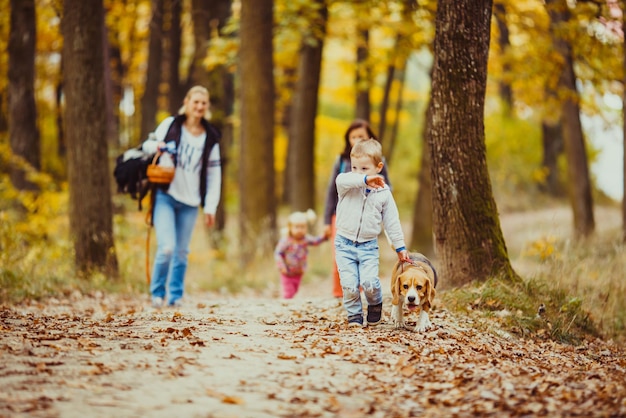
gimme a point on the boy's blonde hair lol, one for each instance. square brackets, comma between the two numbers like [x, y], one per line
[368, 148]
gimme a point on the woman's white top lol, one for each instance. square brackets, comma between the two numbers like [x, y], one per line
[185, 187]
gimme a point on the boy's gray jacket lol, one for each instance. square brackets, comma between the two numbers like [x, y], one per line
[360, 212]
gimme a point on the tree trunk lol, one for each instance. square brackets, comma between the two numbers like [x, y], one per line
[290, 72]
[623, 5]
[363, 76]
[389, 144]
[257, 200]
[110, 106]
[552, 139]
[575, 151]
[23, 132]
[301, 146]
[4, 123]
[153, 73]
[201, 17]
[58, 96]
[222, 89]
[177, 90]
[384, 103]
[91, 213]
[468, 237]
[422, 232]
[395, 71]
[117, 88]
[504, 87]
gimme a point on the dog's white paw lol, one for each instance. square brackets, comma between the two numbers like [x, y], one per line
[423, 322]
[397, 316]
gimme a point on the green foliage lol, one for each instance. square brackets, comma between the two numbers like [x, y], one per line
[513, 153]
[530, 309]
[593, 270]
[579, 286]
[36, 259]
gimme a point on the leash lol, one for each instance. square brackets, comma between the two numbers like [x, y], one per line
[150, 225]
[148, 256]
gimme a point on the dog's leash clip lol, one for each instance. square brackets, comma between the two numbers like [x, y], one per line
[412, 263]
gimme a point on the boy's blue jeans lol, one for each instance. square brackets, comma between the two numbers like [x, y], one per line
[358, 266]
[173, 223]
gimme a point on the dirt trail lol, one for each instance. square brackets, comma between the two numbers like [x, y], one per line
[111, 356]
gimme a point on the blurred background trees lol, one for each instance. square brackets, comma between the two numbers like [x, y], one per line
[286, 78]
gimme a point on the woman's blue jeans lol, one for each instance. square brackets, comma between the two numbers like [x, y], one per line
[358, 266]
[173, 223]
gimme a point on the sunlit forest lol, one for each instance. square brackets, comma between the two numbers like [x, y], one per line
[548, 126]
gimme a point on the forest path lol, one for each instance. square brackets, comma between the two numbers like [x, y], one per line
[257, 356]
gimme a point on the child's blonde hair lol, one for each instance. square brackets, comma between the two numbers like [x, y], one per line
[307, 217]
[368, 148]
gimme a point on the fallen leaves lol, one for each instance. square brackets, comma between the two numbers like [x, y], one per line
[295, 360]
[228, 399]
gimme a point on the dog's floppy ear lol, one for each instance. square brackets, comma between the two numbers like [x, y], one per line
[430, 294]
[396, 285]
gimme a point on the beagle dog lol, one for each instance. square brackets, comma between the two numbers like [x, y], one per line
[413, 286]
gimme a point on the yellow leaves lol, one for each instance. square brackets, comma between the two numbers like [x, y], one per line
[228, 399]
[180, 334]
[283, 356]
[407, 371]
[543, 248]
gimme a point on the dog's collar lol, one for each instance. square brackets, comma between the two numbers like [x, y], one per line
[414, 264]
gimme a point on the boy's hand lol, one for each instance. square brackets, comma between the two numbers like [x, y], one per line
[375, 181]
[403, 256]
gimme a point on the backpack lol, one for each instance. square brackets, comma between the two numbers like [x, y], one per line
[130, 173]
[131, 166]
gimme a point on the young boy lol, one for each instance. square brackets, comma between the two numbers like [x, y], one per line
[365, 201]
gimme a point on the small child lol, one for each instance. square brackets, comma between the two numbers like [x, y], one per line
[365, 201]
[292, 250]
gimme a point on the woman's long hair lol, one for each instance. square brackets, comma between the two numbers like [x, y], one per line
[197, 89]
[356, 124]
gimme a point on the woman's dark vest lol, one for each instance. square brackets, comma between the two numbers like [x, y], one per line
[212, 137]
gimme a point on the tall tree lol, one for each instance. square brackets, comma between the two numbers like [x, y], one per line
[573, 138]
[201, 17]
[552, 146]
[622, 15]
[468, 237]
[23, 132]
[363, 74]
[300, 151]
[173, 32]
[153, 72]
[504, 87]
[222, 88]
[399, 55]
[116, 71]
[422, 232]
[91, 215]
[256, 169]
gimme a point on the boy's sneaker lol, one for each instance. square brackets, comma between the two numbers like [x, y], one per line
[157, 302]
[375, 314]
[355, 321]
[176, 304]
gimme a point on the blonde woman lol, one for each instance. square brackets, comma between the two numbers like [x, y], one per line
[192, 144]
